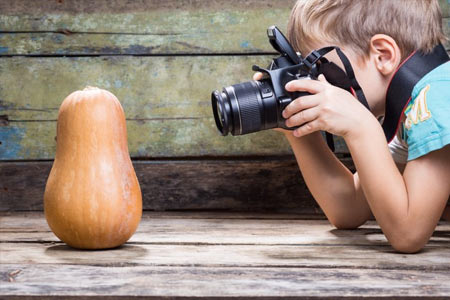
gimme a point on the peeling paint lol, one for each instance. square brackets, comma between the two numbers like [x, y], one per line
[10, 138]
[245, 44]
[118, 83]
[57, 38]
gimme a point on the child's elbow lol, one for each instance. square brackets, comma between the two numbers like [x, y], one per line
[409, 243]
[347, 223]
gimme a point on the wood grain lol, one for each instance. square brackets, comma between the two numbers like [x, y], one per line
[25, 7]
[149, 88]
[188, 228]
[219, 283]
[85, 44]
[195, 255]
[243, 40]
[243, 256]
[151, 139]
[154, 32]
[72, 7]
[35, 217]
[445, 8]
[139, 27]
[248, 185]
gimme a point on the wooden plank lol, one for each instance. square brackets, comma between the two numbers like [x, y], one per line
[317, 256]
[166, 100]
[162, 138]
[35, 217]
[193, 19]
[76, 7]
[196, 39]
[144, 27]
[84, 44]
[79, 44]
[189, 228]
[71, 7]
[249, 185]
[222, 228]
[152, 139]
[130, 282]
[149, 88]
[228, 231]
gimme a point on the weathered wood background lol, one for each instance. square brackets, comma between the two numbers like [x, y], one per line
[161, 59]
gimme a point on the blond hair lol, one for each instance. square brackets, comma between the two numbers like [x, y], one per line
[413, 24]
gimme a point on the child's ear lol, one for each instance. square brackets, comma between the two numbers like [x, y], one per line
[385, 53]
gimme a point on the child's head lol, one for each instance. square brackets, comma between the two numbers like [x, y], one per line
[376, 35]
[413, 24]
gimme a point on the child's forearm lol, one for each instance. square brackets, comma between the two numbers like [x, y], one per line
[406, 207]
[380, 178]
[329, 181]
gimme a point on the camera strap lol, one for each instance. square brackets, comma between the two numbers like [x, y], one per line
[408, 74]
[398, 95]
[335, 75]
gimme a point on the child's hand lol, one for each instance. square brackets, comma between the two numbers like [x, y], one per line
[329, 108]
[257, 76]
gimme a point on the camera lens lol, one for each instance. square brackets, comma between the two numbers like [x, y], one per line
[222, 118]
[244, 108]
[221, 115]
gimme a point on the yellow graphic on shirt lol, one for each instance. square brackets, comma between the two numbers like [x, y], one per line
[418, 111]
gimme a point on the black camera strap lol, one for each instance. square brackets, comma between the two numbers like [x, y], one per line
[351, 76]
[317, 56]
[398, 95]
[408, 74]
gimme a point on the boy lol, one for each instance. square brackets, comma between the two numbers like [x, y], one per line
[407, 196]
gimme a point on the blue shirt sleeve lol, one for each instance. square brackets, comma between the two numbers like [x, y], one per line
[427, 124]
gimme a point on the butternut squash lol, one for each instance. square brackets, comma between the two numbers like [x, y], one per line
[92, 198]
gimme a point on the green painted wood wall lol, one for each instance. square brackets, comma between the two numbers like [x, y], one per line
[160, 58]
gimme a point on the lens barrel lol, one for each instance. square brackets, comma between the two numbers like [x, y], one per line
[221, 109]
[244, 108]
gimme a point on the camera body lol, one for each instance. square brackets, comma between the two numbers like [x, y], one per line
[258, 105]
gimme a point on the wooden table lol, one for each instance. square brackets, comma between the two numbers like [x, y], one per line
[207, 254]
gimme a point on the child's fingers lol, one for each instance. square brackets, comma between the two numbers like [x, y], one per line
[307, 85]
[303, 117]
[300, 104]
[257, 76]
[322, 78]
[307, 128]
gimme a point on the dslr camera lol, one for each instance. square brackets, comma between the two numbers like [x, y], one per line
[258, 105]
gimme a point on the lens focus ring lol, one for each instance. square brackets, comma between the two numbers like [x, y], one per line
[247, 95]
